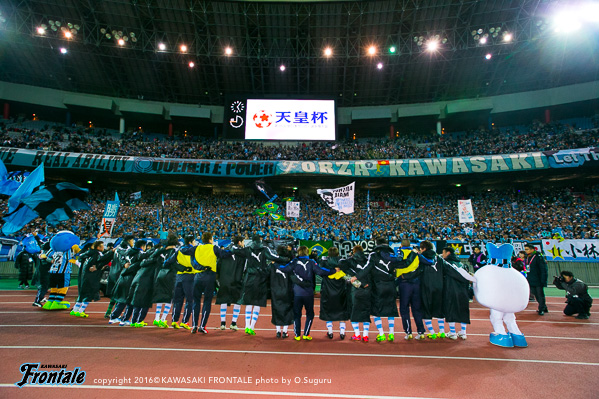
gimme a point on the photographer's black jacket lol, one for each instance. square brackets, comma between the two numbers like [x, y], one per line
[575, 288]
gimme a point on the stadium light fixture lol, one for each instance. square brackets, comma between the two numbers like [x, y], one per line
[68, 34]
[483, 40]
[183, 48]
[488, 56]
[191, 64]
[371, 50]
[40, 30]
[63, 50]
[458, 185]
[432, 45]
[567, 21]
[89, 182]
[379, 65]
[228, 51]
[392, 49]
[161, 46]
[328, 52]
[121, 42]
[507, 37]
[282, 68]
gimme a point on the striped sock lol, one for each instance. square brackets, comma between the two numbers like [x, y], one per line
[278, 329]
[356, 327]
[285, 329]
[463, 327]
[83, 306]
[255, 315]
[76, 307]
[391, 325]
[366, 328]
[379, 325]
[248, 316]
[167, 309]
[342, 327]
[429, 326]
[451, 327]
[223, 313]
[330, 327]
[59, 297]
[441, 325]
[158, 312]
[236, 310]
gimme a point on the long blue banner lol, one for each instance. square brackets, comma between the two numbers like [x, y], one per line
[253, 169]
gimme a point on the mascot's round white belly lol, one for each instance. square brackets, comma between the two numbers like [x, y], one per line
[505, 292]
[502, 289]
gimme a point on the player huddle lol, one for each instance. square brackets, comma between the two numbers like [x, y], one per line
[181, 281]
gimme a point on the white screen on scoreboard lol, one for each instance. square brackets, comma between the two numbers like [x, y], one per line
[290, 120]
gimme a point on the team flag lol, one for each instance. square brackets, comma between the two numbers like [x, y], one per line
[340, 199]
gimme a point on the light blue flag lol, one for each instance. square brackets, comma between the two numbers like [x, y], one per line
[34, 180]
[7, 186]
[15, 221]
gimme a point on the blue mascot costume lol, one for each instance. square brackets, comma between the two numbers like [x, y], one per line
[64, 246]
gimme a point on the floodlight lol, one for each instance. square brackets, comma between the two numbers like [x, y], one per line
[566, 22]
[432, 45]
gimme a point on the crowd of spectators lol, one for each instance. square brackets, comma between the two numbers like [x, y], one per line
[500, 216]
[536, 137]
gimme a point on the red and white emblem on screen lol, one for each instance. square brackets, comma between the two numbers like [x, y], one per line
[262, 119]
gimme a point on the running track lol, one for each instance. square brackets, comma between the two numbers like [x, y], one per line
[562, 359]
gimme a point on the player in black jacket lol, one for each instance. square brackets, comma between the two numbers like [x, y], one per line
[90, 273]
[360, 297]
[229, 274]
[381, 266]
[254, 291]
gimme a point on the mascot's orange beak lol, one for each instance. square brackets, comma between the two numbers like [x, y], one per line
[76, 248]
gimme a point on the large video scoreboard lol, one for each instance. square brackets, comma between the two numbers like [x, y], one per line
[279, 119]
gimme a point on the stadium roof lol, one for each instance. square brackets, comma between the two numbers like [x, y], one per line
[264, 35]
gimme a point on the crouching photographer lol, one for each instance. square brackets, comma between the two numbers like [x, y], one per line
[577, 298]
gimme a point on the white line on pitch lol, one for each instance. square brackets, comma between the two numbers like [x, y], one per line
[375, 355]
[219, 391]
